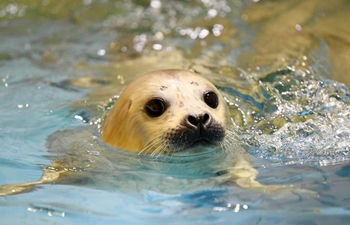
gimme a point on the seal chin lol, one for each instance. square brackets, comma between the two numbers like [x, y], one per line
[201, 143]
[197, 145]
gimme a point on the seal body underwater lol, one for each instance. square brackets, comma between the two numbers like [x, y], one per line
[163, 113]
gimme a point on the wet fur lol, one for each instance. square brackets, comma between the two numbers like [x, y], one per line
[128, 127]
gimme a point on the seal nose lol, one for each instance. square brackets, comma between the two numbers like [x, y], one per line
[198, 121]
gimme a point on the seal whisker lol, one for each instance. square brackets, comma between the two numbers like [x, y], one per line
[150, 146]
[157, 152]
[161, 152]
[225, 145]
[230, 143]
[153, 146]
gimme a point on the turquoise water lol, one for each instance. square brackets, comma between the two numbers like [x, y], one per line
[293, 115]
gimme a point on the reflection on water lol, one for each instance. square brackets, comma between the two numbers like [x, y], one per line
[276, 62]
[301, 34]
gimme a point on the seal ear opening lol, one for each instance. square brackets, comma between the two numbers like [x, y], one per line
[129, 105]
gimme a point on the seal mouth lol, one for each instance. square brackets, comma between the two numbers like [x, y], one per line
[199, 145]
[200, 142]
[184, 139]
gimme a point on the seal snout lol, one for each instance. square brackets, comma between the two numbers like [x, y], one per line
[201, 130]
[198, 122]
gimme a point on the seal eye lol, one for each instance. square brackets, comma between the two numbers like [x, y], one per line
[155, 107]
[211, 99]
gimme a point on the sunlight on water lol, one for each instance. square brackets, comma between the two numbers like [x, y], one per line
[282, 67]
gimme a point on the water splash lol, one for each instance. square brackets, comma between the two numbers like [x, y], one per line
[291, 117]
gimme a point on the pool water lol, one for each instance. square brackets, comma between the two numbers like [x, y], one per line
[281, 65]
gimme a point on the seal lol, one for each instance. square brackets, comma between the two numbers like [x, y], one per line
[167, 111]
[163, 112]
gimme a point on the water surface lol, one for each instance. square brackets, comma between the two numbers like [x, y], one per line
[281, 65]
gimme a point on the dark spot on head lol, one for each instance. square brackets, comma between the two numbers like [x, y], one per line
[195, 83]
[130, 103]
[162, 88]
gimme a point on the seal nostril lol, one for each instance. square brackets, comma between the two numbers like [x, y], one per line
[205, 118]
[192, 120]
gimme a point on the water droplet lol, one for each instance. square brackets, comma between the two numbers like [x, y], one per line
[212, 13]
[101, 52]
[156, 4]
[157, 47]
[298, 27]
[203, 33]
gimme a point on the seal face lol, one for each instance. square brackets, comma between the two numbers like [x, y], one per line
[167, 111]
[197, 129]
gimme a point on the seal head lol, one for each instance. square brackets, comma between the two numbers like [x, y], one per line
[167, 111]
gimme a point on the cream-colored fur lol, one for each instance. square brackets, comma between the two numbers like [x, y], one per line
[128, 127]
